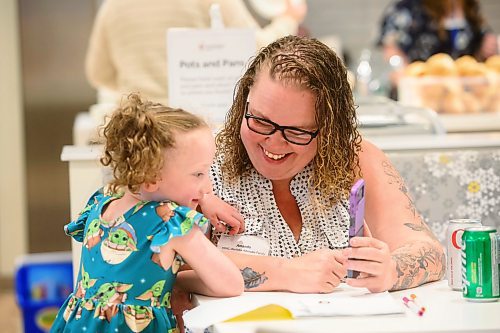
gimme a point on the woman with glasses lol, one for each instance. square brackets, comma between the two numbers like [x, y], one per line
[288, 156]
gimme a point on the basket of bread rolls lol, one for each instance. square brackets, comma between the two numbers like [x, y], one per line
[452, 86]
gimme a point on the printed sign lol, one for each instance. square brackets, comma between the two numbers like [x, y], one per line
[204, 66]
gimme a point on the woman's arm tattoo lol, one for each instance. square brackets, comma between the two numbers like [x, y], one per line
[252, 278]
[395, 178]
[418, 263]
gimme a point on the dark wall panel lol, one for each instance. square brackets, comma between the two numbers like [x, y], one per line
[54, 36]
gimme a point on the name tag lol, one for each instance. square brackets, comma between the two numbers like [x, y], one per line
[249, 244]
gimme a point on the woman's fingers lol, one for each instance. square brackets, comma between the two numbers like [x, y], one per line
[368, 267]
[367, 242]
[367, 253]
[373, 259]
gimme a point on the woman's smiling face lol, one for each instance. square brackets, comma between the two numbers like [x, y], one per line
[286, 105]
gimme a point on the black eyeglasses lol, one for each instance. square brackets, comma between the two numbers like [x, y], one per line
[291, 134]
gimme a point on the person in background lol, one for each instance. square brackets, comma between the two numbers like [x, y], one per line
[127, 46]
[137, 232]
[417, 29]
[287, 157]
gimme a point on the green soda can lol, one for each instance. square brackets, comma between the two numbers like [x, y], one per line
[480, 264]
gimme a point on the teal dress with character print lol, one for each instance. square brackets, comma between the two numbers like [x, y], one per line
[121, 286]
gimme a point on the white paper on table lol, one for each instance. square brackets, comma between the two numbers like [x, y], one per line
[344, 301]
[362, 304]
[217, 311]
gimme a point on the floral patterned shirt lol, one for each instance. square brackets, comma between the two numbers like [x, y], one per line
[407, 24]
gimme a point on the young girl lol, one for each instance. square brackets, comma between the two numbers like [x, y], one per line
[137, 232]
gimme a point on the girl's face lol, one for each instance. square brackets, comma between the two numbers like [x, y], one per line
[286, 105]
[185, 174]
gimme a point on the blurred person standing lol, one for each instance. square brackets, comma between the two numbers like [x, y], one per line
[127, 47]
[417, 29]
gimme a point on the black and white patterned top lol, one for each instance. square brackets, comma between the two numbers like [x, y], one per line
[254, 199]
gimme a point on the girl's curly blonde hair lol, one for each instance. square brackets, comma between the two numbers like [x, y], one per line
[136, 136]
[310, 64]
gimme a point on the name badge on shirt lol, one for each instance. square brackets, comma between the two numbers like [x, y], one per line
[249, 244]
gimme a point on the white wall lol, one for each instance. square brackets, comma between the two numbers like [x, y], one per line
[12, 167]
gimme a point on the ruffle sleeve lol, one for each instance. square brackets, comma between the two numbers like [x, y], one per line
[178, 221]
[76, 228]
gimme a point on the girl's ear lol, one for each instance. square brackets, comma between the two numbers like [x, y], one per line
[151, 187]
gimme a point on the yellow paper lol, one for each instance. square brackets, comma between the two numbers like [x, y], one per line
[267, 312]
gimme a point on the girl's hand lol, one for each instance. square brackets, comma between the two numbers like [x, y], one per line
[373, 259]
[222, 216]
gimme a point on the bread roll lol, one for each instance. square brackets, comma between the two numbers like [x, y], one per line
[470, 102]
[466, 59]
[494, 104]
[416, 68]
[431, 92]
[452, 103]
[470, 68]
[441, 64]
[493, 62]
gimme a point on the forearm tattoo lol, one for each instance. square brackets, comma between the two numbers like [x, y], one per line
[252, 278]
[418, 263]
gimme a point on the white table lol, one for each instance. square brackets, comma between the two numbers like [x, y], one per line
[446, 311]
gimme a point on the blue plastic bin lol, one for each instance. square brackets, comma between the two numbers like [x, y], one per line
[43, 282]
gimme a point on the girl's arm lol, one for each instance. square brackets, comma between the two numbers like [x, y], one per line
[219, 276]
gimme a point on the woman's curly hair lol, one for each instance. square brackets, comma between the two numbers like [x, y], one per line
[136, 136]
[312, 65]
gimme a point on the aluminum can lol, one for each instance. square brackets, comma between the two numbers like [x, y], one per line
[480, 264]
[454, 233]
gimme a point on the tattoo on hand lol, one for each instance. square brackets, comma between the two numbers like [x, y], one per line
[252, 278]
[425, 265]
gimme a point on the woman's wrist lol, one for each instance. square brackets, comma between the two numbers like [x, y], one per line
[284, 278]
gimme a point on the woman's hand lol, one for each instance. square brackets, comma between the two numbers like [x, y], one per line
[320, 271]
[373, 259]
[489, 46]
[224, 217]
